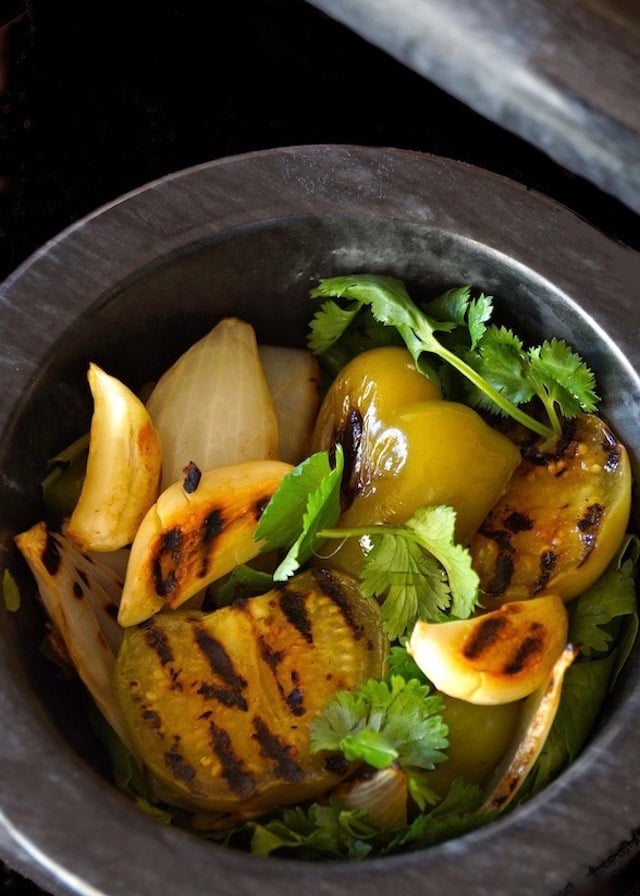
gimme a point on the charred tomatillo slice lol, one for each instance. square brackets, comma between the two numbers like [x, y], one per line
[497, 657]
[123, 468]
[561, 519]
[196, 532]
[220, 705]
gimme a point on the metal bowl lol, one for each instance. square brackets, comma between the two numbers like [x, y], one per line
[129, 287]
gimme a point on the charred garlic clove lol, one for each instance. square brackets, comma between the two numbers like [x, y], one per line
[538, 713]
[123, 468]
[494, 658]
[196, 532]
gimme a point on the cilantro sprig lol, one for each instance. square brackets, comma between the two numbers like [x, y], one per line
[501, 373]
[417, 570]
[384, 723]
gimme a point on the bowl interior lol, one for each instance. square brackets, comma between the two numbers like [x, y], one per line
[139, 321]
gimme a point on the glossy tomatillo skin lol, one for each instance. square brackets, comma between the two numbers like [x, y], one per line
[405, 448]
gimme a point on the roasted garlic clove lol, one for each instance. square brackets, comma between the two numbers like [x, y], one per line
[197, 531]
[538, 712]
[123, 468]
[497, 657]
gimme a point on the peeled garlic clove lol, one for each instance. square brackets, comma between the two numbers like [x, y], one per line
[293, 376]
[123, 468]
[383, 794]
[494, 658]
[538, 712]
[213, 406]
[194, 534]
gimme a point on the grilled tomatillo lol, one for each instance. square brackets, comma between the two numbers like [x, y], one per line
[405, 447]
[561, 519]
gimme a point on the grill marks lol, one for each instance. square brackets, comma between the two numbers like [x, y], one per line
[499, 631]
[229, 688]
[230, 692]
[551, 518]
[182, 552]
[222, 702]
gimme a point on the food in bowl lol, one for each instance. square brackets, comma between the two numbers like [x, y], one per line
[372, 639]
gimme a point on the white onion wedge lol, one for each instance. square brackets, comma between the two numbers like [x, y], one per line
[384, 795]
[494, 658]
[538, 712]
[293, 375]
[123, 468]
[80, 595]
[213, 406]
[190, 538]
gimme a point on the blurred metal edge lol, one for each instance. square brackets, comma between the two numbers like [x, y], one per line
[562, 74]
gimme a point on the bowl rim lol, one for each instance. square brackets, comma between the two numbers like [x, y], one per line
[190, 207]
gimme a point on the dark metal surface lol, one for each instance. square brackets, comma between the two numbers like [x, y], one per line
[251, 234]
[96, 99]
[563, 75]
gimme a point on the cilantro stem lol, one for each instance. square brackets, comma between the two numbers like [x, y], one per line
[392, 306]
[508, 407]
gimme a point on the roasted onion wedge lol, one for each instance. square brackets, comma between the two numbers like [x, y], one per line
[213, 406]
[293, 377]
[219, 705]
[196, 532]
[538, 712]
[494, 658]
[123, 468]
[80, 595]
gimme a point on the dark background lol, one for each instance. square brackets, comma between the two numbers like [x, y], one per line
[97, 98]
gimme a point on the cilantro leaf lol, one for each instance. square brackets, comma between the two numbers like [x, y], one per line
[501, 360]
[500, 373]
[321, 830]
[382, 723]
[561, 379]
[457, 306]
[455, 815]
[329, 323]
[412, 582]
[307, 500]
[419, 570]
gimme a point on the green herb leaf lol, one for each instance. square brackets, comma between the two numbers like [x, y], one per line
[562, 379]
[307, 500]
[329, 323]
[501, 360]
[455, 815]
[321, 831]
[419, 570]
[397, 721]
[392, 306]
